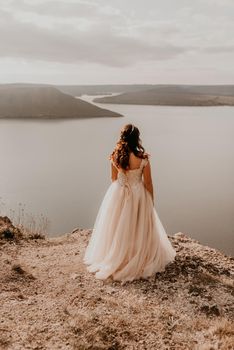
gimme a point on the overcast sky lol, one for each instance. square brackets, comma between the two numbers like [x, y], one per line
[117, 41]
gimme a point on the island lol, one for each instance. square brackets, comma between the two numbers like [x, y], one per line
[176, 95]
[44, 101]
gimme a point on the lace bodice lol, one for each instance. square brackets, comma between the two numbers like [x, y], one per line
[131, 176]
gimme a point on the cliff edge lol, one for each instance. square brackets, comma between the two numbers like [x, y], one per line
[49, 300]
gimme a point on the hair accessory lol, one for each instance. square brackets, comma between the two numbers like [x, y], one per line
[133, 127]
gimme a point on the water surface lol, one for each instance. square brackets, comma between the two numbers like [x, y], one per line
[61, 169]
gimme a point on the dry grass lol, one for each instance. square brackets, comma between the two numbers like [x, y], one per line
[28, 225]
[50, 301]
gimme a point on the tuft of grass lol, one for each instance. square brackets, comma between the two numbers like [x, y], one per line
[31, 226]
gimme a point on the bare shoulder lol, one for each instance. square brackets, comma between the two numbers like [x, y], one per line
[146, 156]
[134, 161]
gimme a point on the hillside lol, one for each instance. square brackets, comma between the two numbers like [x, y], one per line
[49, 300]
[78, 90]
[176, 95]
[32, 101]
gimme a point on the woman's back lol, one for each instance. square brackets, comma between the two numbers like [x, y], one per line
[138, 166]
[134, 161]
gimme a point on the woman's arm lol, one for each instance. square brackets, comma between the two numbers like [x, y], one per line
[114, 172]
[148, 179]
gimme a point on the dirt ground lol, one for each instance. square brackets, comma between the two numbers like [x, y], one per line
[48, 300]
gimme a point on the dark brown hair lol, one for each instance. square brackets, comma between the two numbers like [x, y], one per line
[129, 141]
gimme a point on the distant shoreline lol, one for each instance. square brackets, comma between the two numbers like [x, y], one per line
[47, 102]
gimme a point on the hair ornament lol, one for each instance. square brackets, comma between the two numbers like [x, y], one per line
[133, 127]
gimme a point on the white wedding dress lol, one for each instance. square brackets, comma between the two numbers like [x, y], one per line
[128, 240]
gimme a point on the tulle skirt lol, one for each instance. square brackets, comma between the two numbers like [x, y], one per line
[128, 240]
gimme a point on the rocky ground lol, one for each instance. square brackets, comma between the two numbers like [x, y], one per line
[48, 300]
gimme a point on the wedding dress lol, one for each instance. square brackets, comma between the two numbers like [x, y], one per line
[128, 240]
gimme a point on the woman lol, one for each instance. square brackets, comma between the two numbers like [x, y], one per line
[128, 240]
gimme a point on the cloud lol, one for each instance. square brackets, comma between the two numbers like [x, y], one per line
[219, 49]
[63, 9]
[131, 37]
[57, 8]
[97, 44]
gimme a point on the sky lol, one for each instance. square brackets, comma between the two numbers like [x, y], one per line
[117, 41]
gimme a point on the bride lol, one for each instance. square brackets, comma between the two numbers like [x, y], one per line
[128, 240]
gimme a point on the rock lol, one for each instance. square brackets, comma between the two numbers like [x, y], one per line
[8, 231]
[195, 291]
[74, 276]
[21, 271]
[75, 230]
[210, 310]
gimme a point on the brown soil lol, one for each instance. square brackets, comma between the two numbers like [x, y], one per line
[49, 300]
